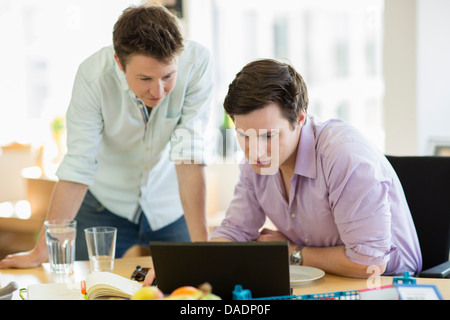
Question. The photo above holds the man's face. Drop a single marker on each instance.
(268, 139)
(151, 80)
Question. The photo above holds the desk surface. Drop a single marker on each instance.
(126, 266)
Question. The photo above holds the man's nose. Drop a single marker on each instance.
(156, 90)
(257, 147)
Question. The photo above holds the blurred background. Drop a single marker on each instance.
(380, 65)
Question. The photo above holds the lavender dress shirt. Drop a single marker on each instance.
(343, 192)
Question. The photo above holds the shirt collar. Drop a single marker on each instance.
(305, 164)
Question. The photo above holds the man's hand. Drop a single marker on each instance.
(30, 259)
(271, 235)
(149, 278)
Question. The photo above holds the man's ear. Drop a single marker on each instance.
(301, 118)
(118, 62)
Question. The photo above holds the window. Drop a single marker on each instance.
(335, 45)
(43, 42)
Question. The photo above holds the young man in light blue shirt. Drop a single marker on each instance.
(135, 155)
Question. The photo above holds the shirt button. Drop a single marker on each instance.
(146, 168)
(147, 149)
(306, 240)
(293, 215)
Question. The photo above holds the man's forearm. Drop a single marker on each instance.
(65, 202)
(334, 260)
(192, 187)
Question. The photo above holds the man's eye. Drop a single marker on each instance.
(272, 135)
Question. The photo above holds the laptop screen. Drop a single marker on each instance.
(261, 267)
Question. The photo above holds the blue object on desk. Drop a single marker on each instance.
(406, 279)
(245, 294)
(241, 294)
(406, 288)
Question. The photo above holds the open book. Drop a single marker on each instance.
(107, 284)
(99, 285)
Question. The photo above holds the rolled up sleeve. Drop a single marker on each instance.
(84, 127)
(359, 188)
(188, 141)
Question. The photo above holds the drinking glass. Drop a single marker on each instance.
(101, 244)
(60, 236)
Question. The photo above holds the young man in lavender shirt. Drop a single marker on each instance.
(328, 191)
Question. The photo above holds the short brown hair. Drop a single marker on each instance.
(266, 81)
(148, 29)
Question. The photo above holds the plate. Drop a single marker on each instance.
(300, 274)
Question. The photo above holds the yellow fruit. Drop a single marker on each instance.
(203, 292)
(186, 290)
(148, 293)
(206, 291)
(181, 297)
(210, 296)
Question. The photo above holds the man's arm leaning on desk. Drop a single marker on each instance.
(66, 200)
(334, 260)
(192, 188)
(329, 259)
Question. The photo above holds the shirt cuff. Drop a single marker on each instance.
(185, 148)
(366, 255)
(74, 170)
(227, 231)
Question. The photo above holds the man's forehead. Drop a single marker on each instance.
(145, 64)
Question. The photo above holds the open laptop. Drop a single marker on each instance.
(262, 267)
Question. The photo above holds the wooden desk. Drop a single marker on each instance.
(126, 266)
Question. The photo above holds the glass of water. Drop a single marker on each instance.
(101, 244)
(60, 236)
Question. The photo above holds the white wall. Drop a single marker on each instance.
(416, 69)
(433, 72)
(399, 64)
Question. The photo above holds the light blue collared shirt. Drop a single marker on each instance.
(125, 161)
(343, 192)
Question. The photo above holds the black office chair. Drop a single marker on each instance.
(426, 182)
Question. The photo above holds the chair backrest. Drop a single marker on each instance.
(426, 183)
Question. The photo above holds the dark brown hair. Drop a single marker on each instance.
(148, 29)
(266, 81)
